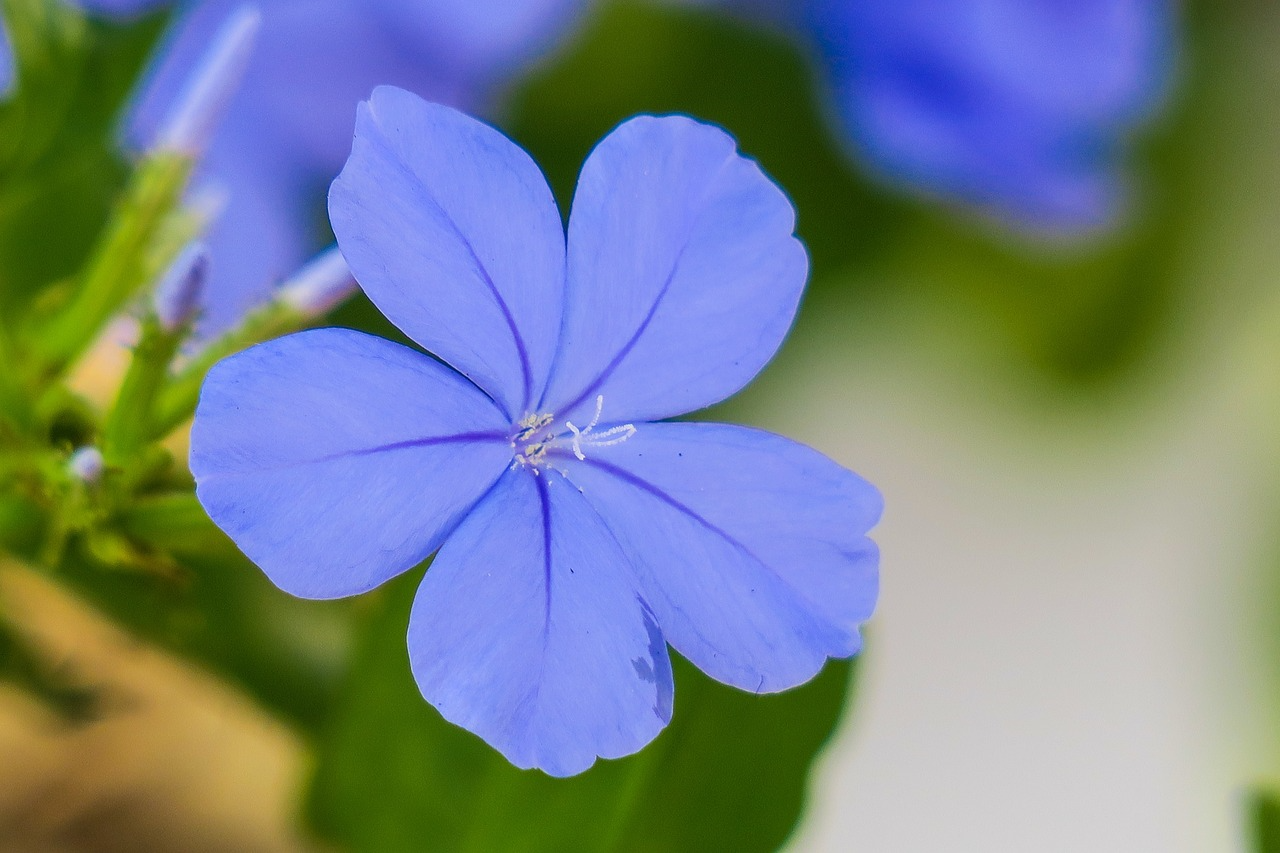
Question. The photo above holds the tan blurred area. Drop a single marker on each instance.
(172, 760)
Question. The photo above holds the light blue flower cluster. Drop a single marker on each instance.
(578, 535)
(1021, 108)
(6, 60)
(288, 130)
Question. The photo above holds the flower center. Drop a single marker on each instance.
(538, 434)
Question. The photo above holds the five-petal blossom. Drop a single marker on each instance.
(577, 535)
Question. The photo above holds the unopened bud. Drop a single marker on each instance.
(320, 286)
(177, 299)
(86, 465)
(199, 107)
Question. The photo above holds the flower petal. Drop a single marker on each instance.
(751, 548)
(529, 632)
(452, 231)
(336, 460)
(683, 277)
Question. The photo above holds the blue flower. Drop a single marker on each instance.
(288, 131)
(6, 61)
(1021, 108)
(577, 535)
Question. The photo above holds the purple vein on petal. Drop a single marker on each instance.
(429, 441)
(545, 499)
(603, 376)
(673, 502)
(526, 370)
(676, 504)
(609, 368)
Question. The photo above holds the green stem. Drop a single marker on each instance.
(15, 406)
(176, 403)
(120, 265)
(22, 523)
(128, 427)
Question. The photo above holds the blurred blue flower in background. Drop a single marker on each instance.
(6, 60)
(577, 537)
(288, 131)
(1016, 108)
(1021, 108)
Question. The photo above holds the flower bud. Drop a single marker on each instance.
(177, 299)
(195, 114)
(320, 286)
(86, 465)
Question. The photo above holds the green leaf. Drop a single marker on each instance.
(21, 523)
(50, 54)
(59, 167)
(1264, 821)
(729, 773)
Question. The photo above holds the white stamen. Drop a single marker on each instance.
(599, 408)
(577, 441)
(320, 286)
(536, 435)
(608, 438)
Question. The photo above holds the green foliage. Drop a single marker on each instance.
(1263, 814)
(82, 236)
(729, 773)
(60, 168)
